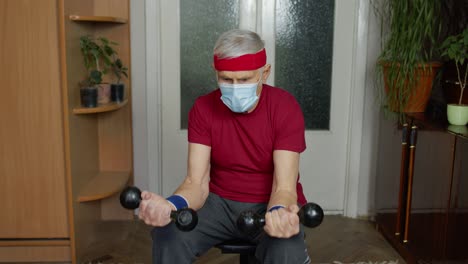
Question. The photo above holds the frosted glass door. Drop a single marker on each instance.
(304, 51)
(201, 22)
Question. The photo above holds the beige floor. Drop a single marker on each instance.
(338, 240)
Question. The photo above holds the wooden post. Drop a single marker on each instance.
(403, 178)
(412, 152)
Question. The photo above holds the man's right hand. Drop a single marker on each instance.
(155, 210)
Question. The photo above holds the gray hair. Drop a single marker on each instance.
(237, 42)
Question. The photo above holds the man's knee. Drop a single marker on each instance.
(164, 235)
(171, 245)
(280, 250)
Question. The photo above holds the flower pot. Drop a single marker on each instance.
(457, 114)
(104, 93)
(117, 92)
(462, 130)
(421, 91)
(89, 96)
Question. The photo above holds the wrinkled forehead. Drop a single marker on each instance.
(239, 74)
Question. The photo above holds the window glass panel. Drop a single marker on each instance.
(304, 49)
(201, 23)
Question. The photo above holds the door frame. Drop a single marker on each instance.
(357, 177)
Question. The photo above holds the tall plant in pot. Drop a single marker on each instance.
(455, 48)
(410, 30)
(93, 58)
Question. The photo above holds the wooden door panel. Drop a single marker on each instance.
(32, 180)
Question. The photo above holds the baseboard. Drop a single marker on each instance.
(45, 254)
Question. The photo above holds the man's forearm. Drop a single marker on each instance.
(195, 187)
(283, 191)
(282, 197)
(195, 193)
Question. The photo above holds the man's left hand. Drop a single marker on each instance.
(282, 223)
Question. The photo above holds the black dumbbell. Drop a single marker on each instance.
(185, 219)
(310, 215)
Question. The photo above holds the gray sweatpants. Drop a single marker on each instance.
(217, 223)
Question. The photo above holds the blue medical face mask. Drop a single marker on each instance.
(239, 97)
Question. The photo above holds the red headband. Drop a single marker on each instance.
(247, 62)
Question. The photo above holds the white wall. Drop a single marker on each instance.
(370, 130)
(138, 78)
(363, 134)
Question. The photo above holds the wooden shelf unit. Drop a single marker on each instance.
(67, 163)
(104, 19)
(100, 138)
(100, 108)
(104, 185)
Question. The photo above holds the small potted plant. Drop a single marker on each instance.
(118, 88)
(455, 48)
(115, 64)
(93, 56)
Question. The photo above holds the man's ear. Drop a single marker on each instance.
(266, 73)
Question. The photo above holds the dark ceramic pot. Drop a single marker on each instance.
(117, 92)
(89, 96)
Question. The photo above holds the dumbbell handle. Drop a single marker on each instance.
(310, 215)
(185, 219)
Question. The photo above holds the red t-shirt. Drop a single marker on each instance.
(242, 144)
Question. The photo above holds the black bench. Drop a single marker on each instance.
(245, 249)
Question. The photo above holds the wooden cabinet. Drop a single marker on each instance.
(61, 166)
(421, 175)
(457, 228)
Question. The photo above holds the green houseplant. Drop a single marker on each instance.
(97, 63)
(410, 31)
(91, 53)
(118, 69)
(117, 87)
(455, 48)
